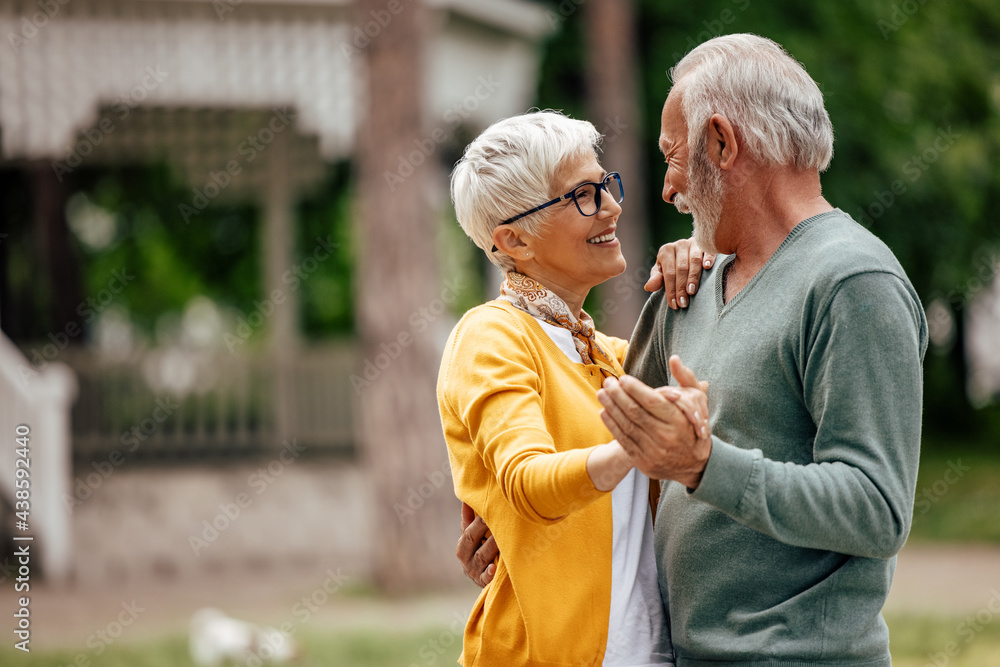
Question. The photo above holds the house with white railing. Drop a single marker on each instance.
(34, 421)
(119, 82)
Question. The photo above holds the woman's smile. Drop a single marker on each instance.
(605, 239)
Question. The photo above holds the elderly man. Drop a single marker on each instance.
(776, 540)
(776, 536)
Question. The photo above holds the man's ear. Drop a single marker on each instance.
(722, 146)
(508, 240)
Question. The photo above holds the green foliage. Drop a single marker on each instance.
(891, 93)
(327, 300)
(913, 90)
(216, 254)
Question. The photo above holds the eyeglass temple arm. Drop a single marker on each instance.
(534, 210)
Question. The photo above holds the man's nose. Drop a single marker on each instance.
(668, 191)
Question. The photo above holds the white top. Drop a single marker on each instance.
(638, 635)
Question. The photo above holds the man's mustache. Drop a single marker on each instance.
(682, 204)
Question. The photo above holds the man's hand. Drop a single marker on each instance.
(690, 397)
(474, 552)
(678, 267)
(653, 430)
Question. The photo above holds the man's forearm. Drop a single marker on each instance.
(834, 506)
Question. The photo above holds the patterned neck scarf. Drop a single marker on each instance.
(533, 298)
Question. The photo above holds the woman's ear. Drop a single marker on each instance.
(509, 241)
(722, 145)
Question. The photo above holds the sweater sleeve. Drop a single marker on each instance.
(492, 385)
(861, 383)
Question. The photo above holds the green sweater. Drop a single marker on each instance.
(785, 552)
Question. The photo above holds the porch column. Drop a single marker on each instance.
(279, 257)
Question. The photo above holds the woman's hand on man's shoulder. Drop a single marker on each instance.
(678, 268)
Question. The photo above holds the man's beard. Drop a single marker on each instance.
(703, 200)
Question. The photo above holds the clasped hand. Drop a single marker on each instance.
(664, 431)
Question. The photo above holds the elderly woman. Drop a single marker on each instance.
(576, 582)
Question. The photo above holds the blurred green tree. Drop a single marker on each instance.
(913, 89)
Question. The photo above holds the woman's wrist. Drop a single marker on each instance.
(607, 465)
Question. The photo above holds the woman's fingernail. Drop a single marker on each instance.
(673, 304)
(697, 416)
(691, 288)
(684, 302)
(703, 431)
(708, 263)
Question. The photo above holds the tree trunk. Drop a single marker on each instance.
(614, 108)
(417, 516)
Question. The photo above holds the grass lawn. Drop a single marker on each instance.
(915, 640)
(320, 649)
(958, 500)
(923, 641)
(958, 496)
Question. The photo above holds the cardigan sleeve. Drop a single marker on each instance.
(490, 383)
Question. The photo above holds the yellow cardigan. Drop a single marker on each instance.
(520, 419)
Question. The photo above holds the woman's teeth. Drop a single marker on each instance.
(602, 239)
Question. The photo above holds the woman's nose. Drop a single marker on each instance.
(609, 206)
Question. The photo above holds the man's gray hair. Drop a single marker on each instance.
(767, 95)
(510, 169)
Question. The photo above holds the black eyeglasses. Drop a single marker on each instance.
(586, 196)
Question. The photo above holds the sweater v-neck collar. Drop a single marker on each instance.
(723, 306)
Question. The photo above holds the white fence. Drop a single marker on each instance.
(177, 406)
(39, 403)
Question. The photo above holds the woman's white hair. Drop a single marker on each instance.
(510, 168)
(767, 95)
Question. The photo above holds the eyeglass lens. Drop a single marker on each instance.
(588, 196)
